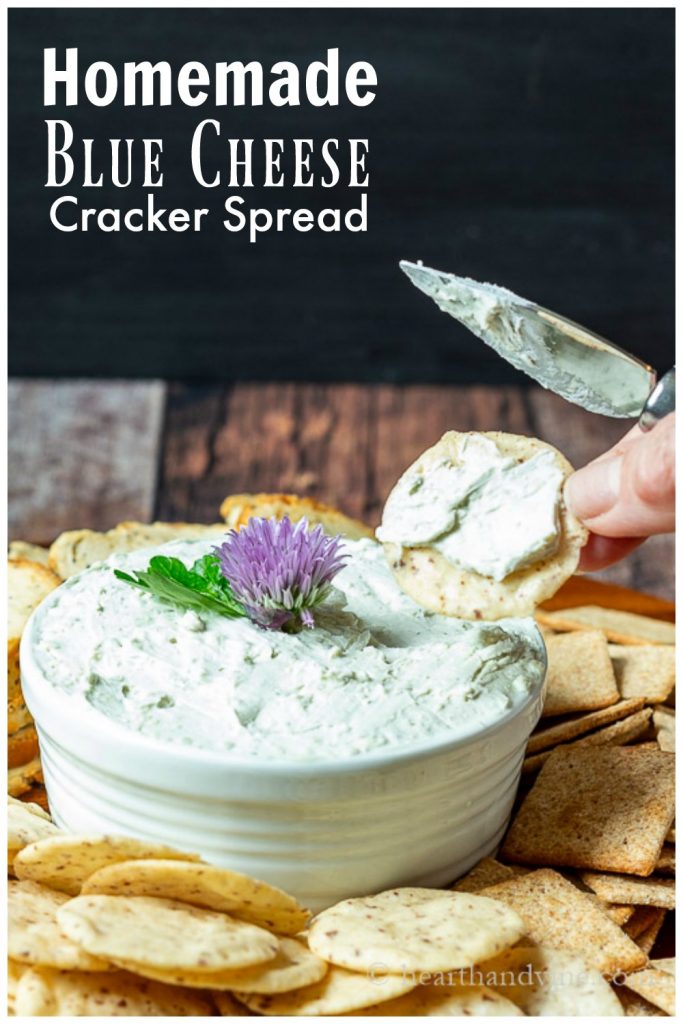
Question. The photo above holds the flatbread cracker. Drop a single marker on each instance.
(600, 808)
(45, 993)
(413, 929)
(24, 549)
(619, 627)
(34, 936)
(238, 509)
(27, 823)
(658, 987)
(163, 933)
(438, 585)
(558, 915)
(339, 992)
(203, 885)
(294, 966)
(642, 892)
(549, 736)
(580, 674)
(437, 1000)
(644, 671)
(64, 862)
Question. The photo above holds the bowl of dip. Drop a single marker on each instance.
(382, 748)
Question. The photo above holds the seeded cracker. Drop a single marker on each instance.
(602, 808)
(643, 892)
(431, 580)
(203, 885)
(619, 627)
(413, 929)
(339, 992)
(34, 935)
(26, 823)
(164, 933)
(580, 674)
(552, 735)
(64, 862)
(45, 993)
(294, 966)
(558, 915)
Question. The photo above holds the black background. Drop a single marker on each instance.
(531, 147)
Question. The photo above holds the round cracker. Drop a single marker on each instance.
(414, 929)
(228, 1005)
(45, 993)
(438, 585)
(27, 823)
(446, 1001)
(164, 933)
(64, 862)
(203, 885)
(339, 991)
(545, 982)
(35, 937)
(294, 966)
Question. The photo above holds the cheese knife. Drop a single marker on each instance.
(559, 354)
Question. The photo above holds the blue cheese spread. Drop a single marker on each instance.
(489, 513)
(377, 672)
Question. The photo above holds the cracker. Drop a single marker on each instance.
(339, 992)
(413, 929)
(558, 915)
(619, 627)
(27, 823)
(642, 892)
(64, 862)
(203, 885)
(641, 920)
(602, 808)
(293, 966)
(238, 509)
(647, 671)
(19, 549)
(227, 1005)
(45, 993)
(649, 935)
(34, 936)
(667, 964)
(22, 778)
(438, 585)
(616, 735)
(634, 1005)
(18, 715)
(22, 746)
(14, 973)
(438, 1000)
(76, 550)
(619, 914)
(664, 721)
(487, 872)
(164, 933)
(580, 674)
(569, 729)
(545, 982)
(27, 584)
(658, 987)
(667, 860)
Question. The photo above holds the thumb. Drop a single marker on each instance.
(629, 492)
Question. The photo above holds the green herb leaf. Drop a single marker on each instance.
(203, 587)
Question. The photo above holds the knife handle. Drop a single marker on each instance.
(661, 402)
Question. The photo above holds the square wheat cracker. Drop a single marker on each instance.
(559, 915)
(619, 627)
(618, 734)
(580, 674)
(577, 725)
(642, 892)
(600, 808)
(648, 672)
(658, 987)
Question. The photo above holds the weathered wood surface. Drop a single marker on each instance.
(89, 454)
(81, 453)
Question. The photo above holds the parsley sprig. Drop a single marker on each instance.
(201, 587)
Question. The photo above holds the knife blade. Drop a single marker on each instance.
(559, 354)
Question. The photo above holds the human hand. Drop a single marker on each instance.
(626, 495)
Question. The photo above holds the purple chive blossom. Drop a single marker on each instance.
(280, 571)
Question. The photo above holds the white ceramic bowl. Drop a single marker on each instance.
(322, 831)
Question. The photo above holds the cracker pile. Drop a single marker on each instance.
(113, 926)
